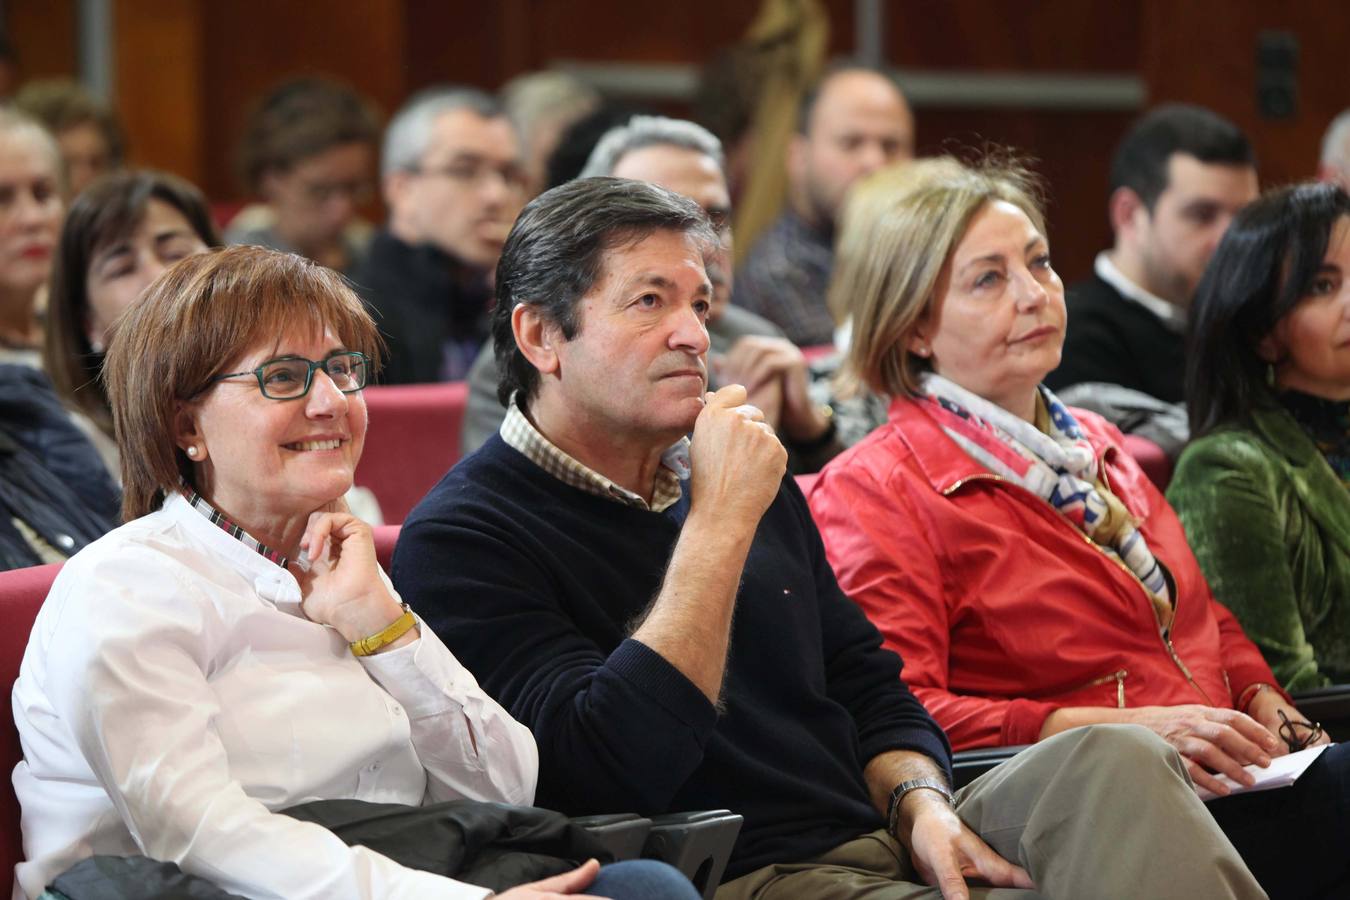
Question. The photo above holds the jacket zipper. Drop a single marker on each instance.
(1165, 637)
(1118, 677)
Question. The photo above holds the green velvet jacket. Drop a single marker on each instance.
(1270, 523)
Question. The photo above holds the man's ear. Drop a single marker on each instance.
(1124, 208)
(536, 337)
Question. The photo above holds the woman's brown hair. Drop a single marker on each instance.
(193, 322)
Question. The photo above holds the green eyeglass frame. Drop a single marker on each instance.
(278, 378)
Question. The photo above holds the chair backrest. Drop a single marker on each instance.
(21, 594)
(413, 440)
(385, 538)
(1151, 459)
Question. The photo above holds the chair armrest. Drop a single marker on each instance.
(967, 765)
(622, 834)
(697, 843)
(1330, 706)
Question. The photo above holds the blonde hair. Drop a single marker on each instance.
(191, 323)
(898, 231)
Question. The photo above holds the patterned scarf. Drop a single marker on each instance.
(1057, 464)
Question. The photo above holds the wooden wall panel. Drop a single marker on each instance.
(487, 44)
(254, 44)
(1204, 51)
(1071, 151)
(993, 35)
(43, 34)
(461, 43)
(158, 80)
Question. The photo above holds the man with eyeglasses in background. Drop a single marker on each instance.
(453, 183)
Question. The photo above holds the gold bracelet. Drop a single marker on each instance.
(401, 626)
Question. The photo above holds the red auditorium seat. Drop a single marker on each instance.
(21, 594)
(1151, 459)
(412, 441)
(385, 538)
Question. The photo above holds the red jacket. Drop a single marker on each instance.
(1002, 610)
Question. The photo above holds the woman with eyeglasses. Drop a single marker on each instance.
(234, 649)
(1261, 489)
(308, 153)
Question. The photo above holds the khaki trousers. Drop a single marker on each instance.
(1095, 813)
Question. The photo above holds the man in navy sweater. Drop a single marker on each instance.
(588, 563)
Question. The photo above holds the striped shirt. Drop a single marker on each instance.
(223, 522)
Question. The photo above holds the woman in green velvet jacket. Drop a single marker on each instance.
(1262, 488)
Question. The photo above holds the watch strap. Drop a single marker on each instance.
(914, 784)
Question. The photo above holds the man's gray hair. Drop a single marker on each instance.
(651, 131)
(409, 132)
(1335, 152)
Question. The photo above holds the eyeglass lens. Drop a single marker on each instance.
(285, 378)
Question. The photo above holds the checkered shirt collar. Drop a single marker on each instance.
(519, 433)
(223, 522)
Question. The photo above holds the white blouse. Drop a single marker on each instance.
(173, 695)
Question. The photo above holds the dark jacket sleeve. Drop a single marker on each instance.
(862, 675)
(618, 731)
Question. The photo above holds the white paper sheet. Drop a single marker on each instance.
(1282, 772)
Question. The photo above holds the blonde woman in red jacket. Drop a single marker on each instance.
(1021, 564)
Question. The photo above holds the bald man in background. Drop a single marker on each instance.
(853, 122)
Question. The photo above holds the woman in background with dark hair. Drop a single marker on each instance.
(1261, 490)
(118, 237)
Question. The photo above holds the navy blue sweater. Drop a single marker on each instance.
(535, 585)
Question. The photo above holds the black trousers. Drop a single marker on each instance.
(1296, 840)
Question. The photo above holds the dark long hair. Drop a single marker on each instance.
(1262, 269)
(107, 211)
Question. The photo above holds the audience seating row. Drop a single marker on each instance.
(414, 441)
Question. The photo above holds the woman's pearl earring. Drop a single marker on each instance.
(192, 452)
